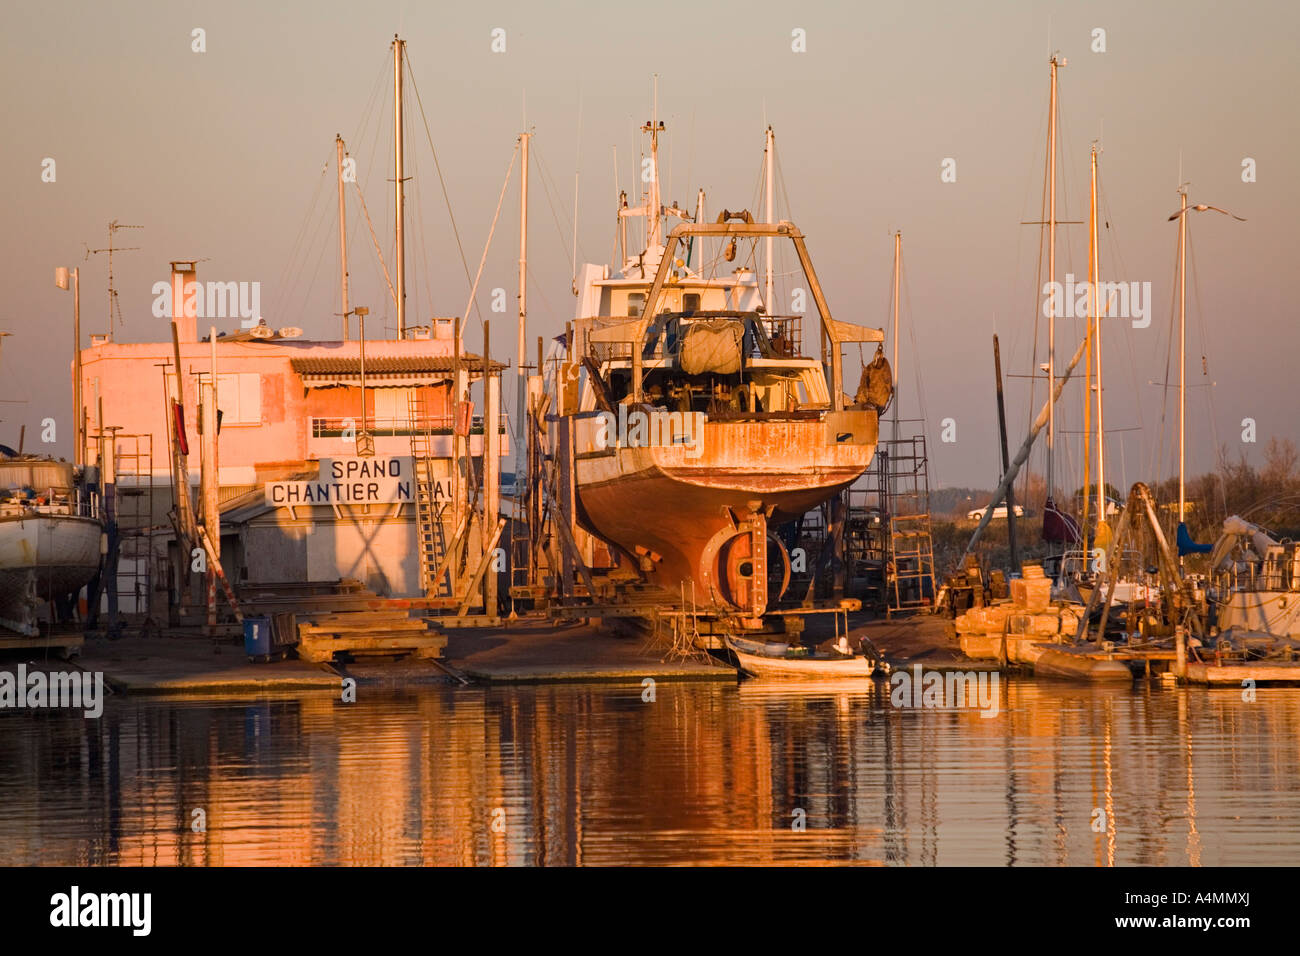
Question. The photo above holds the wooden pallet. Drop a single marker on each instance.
(366, 633)
(66, 644)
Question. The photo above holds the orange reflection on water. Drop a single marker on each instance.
(704, 774)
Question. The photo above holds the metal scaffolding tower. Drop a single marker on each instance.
(889, 548)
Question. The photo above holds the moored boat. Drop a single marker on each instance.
(782, 661)
(49, 538)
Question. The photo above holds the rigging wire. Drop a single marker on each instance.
(443, 183)
(288, 275)
(473, 291)
(1160, 453)
(392, 293)
(551, 191)
(1219, 451)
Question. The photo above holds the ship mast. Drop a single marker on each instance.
(399, 187)
(1092, 344)
(1098, 307)
(343, 238)
(1056, 61)
(1181, 216)
(522, 379)
(769, 150)
(898, 271)
(1182, 352)
(653, 207)
(698, 241)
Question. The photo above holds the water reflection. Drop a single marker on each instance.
(704, 774)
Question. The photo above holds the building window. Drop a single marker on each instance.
(635, 303)
(392, 407)
(239, 396)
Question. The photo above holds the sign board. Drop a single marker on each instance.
(356, 481)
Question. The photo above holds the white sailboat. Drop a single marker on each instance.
(49, 537)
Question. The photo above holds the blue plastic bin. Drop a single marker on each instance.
(257, 636)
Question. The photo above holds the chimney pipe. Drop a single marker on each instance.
(185, 293)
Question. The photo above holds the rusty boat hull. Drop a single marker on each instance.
(701, 516)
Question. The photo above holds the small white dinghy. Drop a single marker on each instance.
(778, 660)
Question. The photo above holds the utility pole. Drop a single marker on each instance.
(365, 443)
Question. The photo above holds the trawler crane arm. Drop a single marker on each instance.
(833, 333)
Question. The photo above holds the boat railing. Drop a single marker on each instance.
(767, 336)
(784, 334)
(1279, 572)
(1077, 562)
(76, 501)
(336, 427)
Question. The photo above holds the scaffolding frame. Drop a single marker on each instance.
(133, 471)
(889, 543)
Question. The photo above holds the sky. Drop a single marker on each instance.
(224, 155)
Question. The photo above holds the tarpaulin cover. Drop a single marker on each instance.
(712, 346)
(1059, 526)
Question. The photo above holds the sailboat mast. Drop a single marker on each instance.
(1051, 269)
(768, 151)
(522, 380)
(1098, 310)
(343, 238)
(898, 271)
(1087, 390)
(399, 186)
(1182, 351)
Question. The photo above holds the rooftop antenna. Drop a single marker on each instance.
(113, 304)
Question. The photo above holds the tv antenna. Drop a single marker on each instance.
(113, 304)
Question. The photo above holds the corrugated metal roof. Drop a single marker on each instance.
(388, 365)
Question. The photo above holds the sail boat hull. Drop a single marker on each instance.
(43, 556)
(676, 510)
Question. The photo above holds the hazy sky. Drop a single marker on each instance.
(219, 155)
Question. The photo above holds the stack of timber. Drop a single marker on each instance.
(343, 617)
(367, 633)
(1014, 630)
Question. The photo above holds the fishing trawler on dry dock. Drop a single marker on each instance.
(696, 421)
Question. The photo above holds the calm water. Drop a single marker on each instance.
(704, 774)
